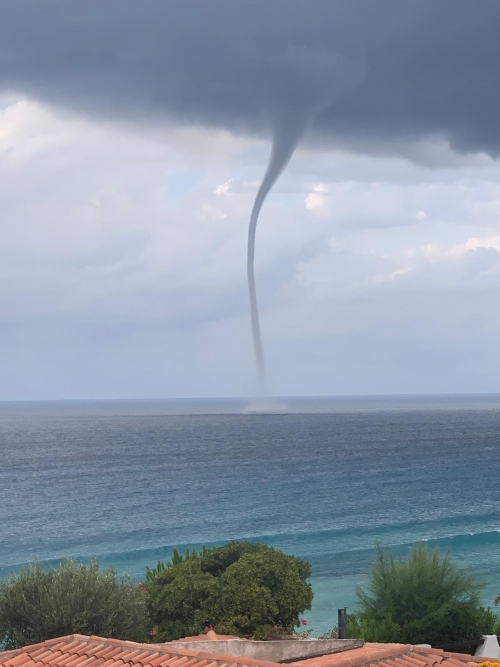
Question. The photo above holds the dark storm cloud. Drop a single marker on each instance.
(361, 72)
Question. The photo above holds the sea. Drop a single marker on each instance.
(325, 479)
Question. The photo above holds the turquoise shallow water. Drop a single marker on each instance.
(325, 479)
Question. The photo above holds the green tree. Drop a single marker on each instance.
(38, 604)
(241, 588)
(424, 598)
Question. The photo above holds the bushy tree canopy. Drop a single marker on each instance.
(424, 598)
(38, 604)
(241, 588)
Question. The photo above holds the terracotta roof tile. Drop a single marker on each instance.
(61, 660)
(415, 660)
(75, 660)
(18, 660)
(91, 660)
(156, 660)
(419, 659)
(193, 662)
(39, 650)
(401, 661)
(168, 660)
(112, 662)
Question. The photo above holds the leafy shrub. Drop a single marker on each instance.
(38, 604)
(424, 598)
(241, 588)
(331, 634)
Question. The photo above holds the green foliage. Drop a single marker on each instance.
(496, 629)
(380, 629)
(38, 604)
(424, 598)
(331, 634)
(241, 588)
(176, 560)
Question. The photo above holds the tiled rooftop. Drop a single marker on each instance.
(392, 655)
(82, 651)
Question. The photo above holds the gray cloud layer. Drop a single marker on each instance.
(369, 71)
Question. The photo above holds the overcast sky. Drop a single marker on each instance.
(133, 138)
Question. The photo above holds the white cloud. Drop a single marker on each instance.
(475, 243)
(314, 201)
(223, 188)
(439, 252)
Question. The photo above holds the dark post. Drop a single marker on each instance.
(343, 623)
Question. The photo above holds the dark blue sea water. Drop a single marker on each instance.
(126, 481)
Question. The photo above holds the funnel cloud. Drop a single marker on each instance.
(285, 141)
